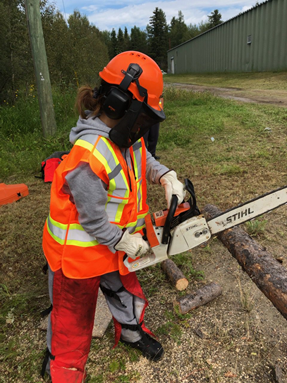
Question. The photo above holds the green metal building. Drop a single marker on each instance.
(253, 41)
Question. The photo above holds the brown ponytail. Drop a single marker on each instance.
(86, 101)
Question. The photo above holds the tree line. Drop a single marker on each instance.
(77, 50)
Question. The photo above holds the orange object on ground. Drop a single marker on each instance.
(11, 193)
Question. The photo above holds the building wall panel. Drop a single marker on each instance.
(225, 48)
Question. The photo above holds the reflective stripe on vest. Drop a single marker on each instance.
(137, 152)
(77, 236)
(118, 193)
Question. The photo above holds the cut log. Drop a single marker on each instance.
(174, 274)
(202, 296)
(266, 272)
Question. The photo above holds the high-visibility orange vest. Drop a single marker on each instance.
(66, 244)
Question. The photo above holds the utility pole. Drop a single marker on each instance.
(41, 67)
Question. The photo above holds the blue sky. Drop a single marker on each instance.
(116, 14)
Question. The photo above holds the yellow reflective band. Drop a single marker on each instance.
(73, 242)
(142, 216)
(61, 229)
(61, 226)
(139, 195)
(113, 185)
(116, 161)
(102, 159)
(136, 167)
(138, 228)
(132, 224)
(84, 144)
(76, 226)
(57, 239)
(124, 202)
(139, 184)
(107, 142)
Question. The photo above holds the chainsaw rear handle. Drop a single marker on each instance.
(167, 225)
(192, 200)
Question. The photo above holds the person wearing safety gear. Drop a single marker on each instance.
(97, 210)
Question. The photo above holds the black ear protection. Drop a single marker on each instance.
(118, 99)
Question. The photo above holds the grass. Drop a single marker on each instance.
(242, 161)
(256, 227)
(260, 80)
(22, 145)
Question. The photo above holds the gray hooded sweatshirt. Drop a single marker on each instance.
(89, 193)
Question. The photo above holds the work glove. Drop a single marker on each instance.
(132, 244)
(172, 186)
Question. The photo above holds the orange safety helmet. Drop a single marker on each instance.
(151, 77)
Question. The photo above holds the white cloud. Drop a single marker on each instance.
(135, 12)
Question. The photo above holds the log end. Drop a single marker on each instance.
(181, 284)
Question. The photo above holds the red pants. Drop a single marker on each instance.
(72, 321)
(72, 318)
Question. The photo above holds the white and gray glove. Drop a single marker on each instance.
(132, 244)
(172, 186)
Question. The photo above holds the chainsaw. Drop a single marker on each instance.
(181, 228)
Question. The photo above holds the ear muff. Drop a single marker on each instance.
(116, 103)
(118, 99)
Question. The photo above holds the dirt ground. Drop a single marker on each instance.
(238, 337)
(259, 96)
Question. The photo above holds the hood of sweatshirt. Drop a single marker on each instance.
(91, 125)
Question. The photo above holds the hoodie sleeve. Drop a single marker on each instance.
(88, 192)
(154, 169)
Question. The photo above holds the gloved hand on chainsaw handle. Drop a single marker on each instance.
(172, 186)
(132, 244)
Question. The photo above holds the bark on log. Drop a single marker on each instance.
(264, 270)
(200, 297)
(175, 275)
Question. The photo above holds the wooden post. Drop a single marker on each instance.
(41, 67)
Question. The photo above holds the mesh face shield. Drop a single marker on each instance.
(136, 116)
(138, 119)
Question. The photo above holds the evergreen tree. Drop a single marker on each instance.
(16, 66)
(193, 30)
(138, 40)
(178, 31)
(114, 44)
(157, 30)
(126, 40)
(120, 41)
(203, 27)
(214, 19)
